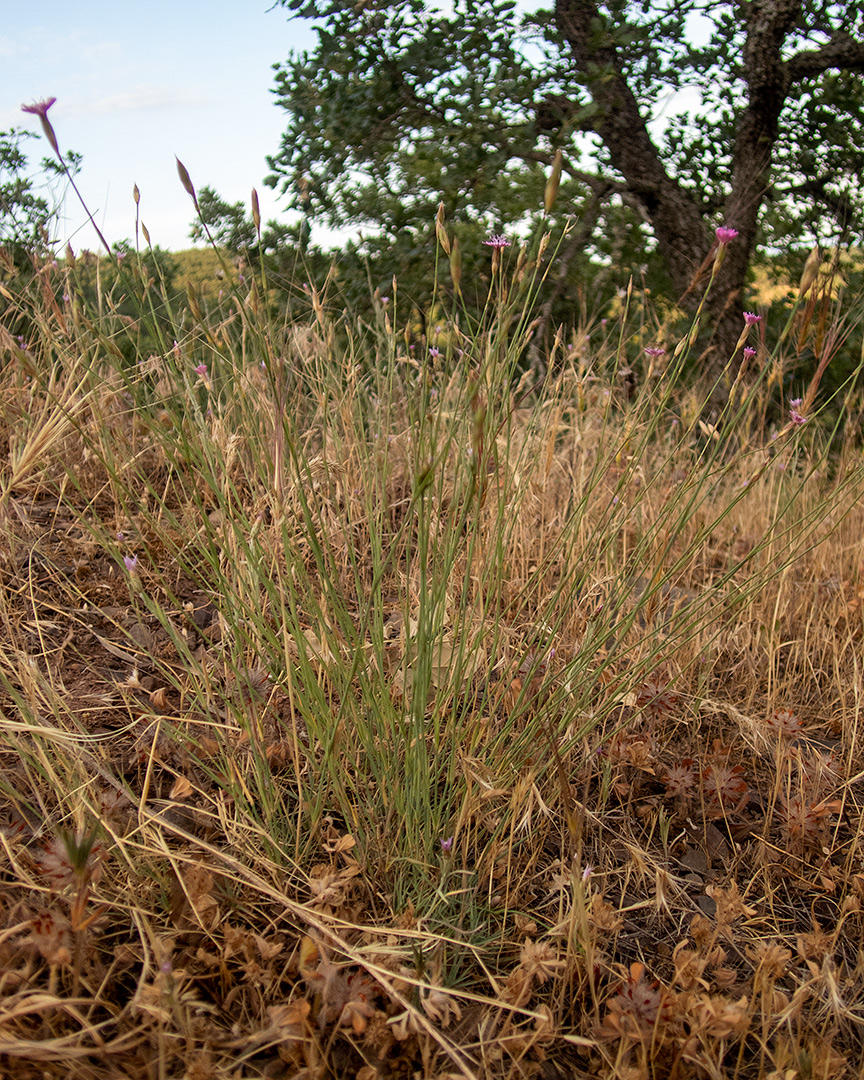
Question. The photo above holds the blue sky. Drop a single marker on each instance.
(138, 83)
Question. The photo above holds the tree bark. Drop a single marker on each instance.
(768, 24)
(682, 232)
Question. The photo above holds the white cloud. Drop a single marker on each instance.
(144, 98)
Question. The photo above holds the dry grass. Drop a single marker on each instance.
(372, 713)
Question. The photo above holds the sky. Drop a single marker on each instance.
(138, 83)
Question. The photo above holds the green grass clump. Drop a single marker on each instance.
(374, 705)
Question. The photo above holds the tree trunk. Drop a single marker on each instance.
(683, 235)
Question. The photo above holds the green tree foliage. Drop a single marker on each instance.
(404, 104)
(26, 215)
(228, 225)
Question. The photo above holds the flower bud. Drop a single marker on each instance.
(554, 182)
(186, 181)
(810, 271)
(256, 212)
(440, 230)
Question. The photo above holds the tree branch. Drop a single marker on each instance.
(842, 51)
(677, 219)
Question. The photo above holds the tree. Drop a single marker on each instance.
(229, 225)
(26, 217)
(404, 104)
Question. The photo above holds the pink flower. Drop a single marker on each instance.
(750, 319)
(40, 109)
(131, 563)
(497, 241)
(725, 234)
(655, 350)
(749, 353)
(201, 370)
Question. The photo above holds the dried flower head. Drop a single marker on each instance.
(49, 934)
(539, 960)
(655, 699)
(347, 997)
(725, 788)
(784, 722)
(250, 685)
(68, 859)
(638, 1005)
(440, 1006)
(806, 823)
(681, 780)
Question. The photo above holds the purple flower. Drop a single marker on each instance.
(201, 370)
(724, 234)
(447, 845)
(434, 352)
(750, 319)
(39, 108)
(497, 241)
(749, 353)
(131, 563)
(655, 350)
(795, 416)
